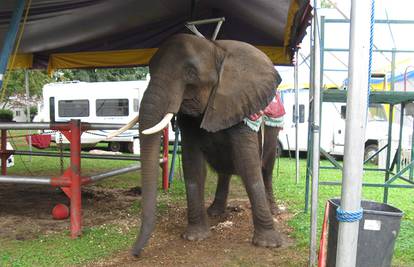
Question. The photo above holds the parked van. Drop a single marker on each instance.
(94, 102)
(333, 126)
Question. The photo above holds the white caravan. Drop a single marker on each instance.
(333, 126)
(94, 102)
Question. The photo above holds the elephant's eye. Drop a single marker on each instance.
(190, 75)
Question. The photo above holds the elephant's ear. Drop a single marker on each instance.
(247, 83)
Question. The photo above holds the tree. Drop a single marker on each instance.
(38, 78)
(103, 75)
(16, 82)
(327, 4)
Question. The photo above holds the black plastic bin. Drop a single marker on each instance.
(378, 231)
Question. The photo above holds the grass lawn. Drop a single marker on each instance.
(293, 195)
(105, 240)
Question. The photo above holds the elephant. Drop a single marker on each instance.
(210, 86)
(268, 156)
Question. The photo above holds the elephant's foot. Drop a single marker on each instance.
(196, 232)
(267, 238)
(216, 209)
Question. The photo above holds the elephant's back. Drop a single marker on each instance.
(245, 50)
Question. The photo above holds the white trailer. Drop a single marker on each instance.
(333, 126)
(94, 102)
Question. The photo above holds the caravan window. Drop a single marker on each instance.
(112, 107)
(73, 108)
(343, 112)
(376, 112)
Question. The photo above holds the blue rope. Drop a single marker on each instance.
(348, 216)
(371, 44)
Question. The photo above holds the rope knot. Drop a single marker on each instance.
(348, 216)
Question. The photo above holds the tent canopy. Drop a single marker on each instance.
(108, 33)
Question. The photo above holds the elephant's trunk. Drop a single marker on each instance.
(151, 112)
(150, 155)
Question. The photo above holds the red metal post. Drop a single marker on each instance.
(323, 244)
(4, 154)
(75, 188)
(165, 182)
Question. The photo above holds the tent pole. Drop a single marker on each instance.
(316, 88)
(26, 83)
(354, 131)
(10, 38)
(310, 120)
(296, 85)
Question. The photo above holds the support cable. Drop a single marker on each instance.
(13, 59)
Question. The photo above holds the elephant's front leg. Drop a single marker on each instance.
(248, 166)
(194, 167)
(219, 204)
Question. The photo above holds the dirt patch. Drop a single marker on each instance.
(229, 244)
(25, 213)
(26, 210)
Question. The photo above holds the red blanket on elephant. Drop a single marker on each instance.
(274, 110)
(272, 115)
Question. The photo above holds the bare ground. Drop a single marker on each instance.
(26, 210)
(25, 213)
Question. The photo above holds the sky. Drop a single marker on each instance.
(386, 36)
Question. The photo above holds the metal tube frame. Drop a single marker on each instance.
(67, 155)
(296, 115)
(71, 181)
(58, 126)
(387, 171)
(165, 160)
(75, 177)
(348, 251)
(191, 25)
(388, 160)
(316, 88)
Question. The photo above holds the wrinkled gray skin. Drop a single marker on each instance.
(218, 207)
(211, 86)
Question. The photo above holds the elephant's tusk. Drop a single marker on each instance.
(161, 125)
(124, 128)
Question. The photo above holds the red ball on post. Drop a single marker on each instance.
(60, 212)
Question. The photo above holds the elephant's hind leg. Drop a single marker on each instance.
(268, 162)
(218, 207)
(248, 166)
(195, 172)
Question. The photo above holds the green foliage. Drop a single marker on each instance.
(102, 75)
(6, 115)
(16, 82)
(327, 4)
(38, 78)
(33, 112)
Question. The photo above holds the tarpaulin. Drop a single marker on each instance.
(103, 33)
